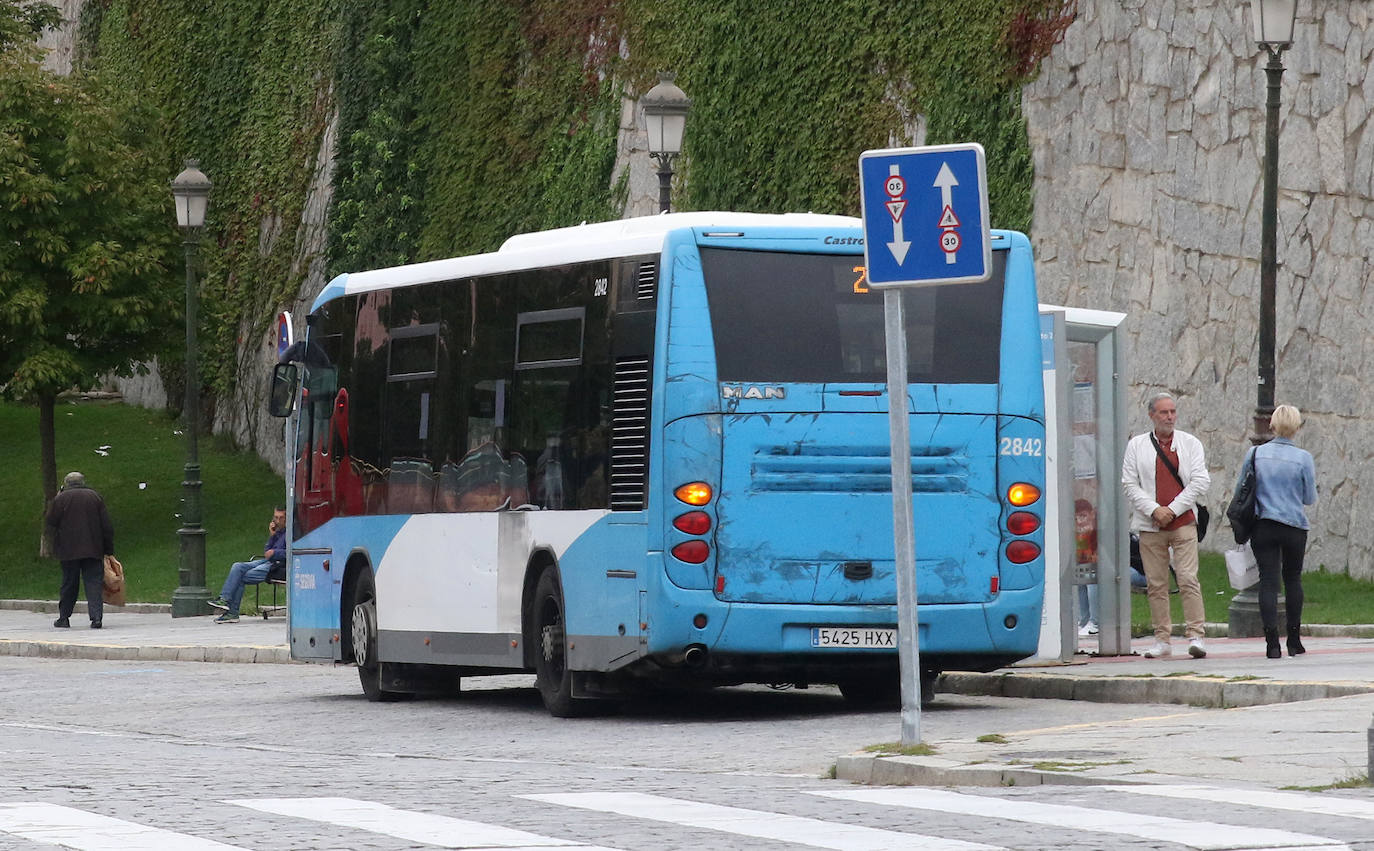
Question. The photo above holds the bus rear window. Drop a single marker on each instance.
(780, 316)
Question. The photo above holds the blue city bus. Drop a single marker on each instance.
(656, 451)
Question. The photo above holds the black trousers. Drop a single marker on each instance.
(73, 571)
(1278, 552)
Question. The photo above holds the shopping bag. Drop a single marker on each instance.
(114, 582)
(1241, 568)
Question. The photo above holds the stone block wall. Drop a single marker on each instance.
(1147, 128)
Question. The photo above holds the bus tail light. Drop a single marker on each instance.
(1022, 523)
(694, 493)
(692, 552)
(693, 523)
(1020, 552)
(1022, 494)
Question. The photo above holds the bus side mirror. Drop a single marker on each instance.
(282, 398)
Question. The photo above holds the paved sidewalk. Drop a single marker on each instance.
(1235, 717)
(144, 632)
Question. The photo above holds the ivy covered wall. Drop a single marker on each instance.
(464, 121)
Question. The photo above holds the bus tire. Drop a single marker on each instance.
(363, 634)
(872, 692)
(885, 692)
(551, 674)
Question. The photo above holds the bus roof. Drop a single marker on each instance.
(601, 240)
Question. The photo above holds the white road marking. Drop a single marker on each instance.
(756, 823)
(1295, 801)
(410, 825)
(1202, 835)
(68, 827)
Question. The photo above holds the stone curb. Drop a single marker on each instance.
(893, 770)
(1214, 692)
(50, 606)
(147, 652)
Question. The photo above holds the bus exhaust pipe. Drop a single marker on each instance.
(695, 656)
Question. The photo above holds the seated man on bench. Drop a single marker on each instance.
(245, 573)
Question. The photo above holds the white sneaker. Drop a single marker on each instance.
(1084, 631)
(1092, 627)
(1195, 648)
(1159, 650)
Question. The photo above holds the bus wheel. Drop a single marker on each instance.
(551, 675)
(364, 638)
(872, 692)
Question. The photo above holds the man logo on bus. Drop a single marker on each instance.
(736, 391)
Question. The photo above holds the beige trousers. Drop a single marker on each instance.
(1154, 554)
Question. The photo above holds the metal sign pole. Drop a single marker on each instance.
(903, 527)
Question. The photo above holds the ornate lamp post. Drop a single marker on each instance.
(1273, 21)
(665, 115)
(191, 190)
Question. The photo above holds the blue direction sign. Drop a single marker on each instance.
(925, 214)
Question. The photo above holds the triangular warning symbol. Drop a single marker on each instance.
(948, 219)
(896, 208)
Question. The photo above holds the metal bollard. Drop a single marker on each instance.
(1370, 775)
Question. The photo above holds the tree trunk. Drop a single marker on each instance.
(47, 463)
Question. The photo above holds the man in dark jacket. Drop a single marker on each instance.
(82, 536)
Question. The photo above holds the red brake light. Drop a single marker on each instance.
(694, 493)
(693, 523)
(1020, 552)
(1022, 523)
(1022, 494)
(692, 552)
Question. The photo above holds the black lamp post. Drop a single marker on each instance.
(191, 190)
(665, 115)
(1274, 21)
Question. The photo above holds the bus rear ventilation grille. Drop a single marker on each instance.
(630, 434)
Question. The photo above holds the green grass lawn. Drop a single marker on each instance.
(140, 479)
(1327, 597)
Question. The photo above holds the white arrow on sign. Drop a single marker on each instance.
(897, 246)
(947, 181)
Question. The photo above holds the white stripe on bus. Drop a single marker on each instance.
(756, 823)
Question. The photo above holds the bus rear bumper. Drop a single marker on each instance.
(973, 636)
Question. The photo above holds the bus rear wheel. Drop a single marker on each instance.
(885, 692)
(363, 635)
(551, 674)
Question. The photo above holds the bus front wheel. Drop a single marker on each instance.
(551, 674)
(363, 633)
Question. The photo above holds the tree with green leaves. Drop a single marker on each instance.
(87, 245)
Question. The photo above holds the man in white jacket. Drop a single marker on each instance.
(1162, 512)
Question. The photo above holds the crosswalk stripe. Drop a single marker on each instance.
(1295, 801)
(1205, 836)
(757, 823)
(53, 824)
(409, 824)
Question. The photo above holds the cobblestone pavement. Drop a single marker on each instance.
(116, 755)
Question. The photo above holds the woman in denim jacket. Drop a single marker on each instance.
(1287, 482)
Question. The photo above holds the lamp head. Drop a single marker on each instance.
(1273, 20)
(665, 116)
(191, 189)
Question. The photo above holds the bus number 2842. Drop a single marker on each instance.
(1023, 446)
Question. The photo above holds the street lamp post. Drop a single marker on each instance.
(191, 190)
(1273, 21)
(665, 116)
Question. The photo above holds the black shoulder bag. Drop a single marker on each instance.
(1244, 508)
(1203, 516)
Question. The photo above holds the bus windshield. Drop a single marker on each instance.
(781, 316)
